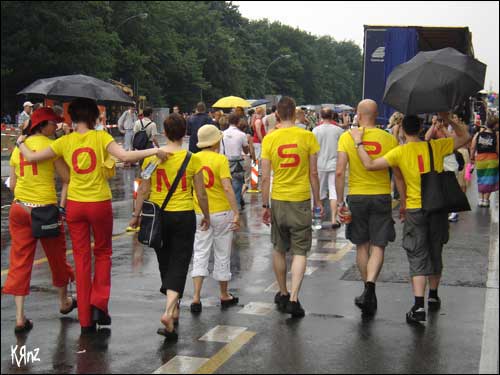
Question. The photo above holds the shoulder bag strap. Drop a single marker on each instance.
(431, 156)
(142, 125)
(177, 179)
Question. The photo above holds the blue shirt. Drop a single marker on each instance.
(194, 123)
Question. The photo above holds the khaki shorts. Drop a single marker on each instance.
(423, 239)
(291, 226)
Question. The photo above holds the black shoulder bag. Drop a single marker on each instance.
(441, 191)
(46, 221)
(150, 232)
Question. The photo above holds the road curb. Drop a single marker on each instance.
(488, 363)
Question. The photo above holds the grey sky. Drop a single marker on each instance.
(344, 20)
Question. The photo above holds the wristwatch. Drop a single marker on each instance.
(18, 144)
(133, 215)
(266, 206)
(359, 144)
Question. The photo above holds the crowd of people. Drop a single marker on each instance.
(303, 161)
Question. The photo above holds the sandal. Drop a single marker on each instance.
(196, 308)
(27, 326)
(169, 336)
(73, 306)
(336, 225)
(229, 302)
(176, 320)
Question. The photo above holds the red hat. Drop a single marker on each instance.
(44, 114)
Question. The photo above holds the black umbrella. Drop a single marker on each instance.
(259, 102)
(434, 81)
(66, 88)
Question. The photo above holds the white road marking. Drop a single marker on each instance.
(181, 364)
(488, 363)
(223, 334)
(257, 308)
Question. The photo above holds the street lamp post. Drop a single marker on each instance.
(140, 15)
(272, 62)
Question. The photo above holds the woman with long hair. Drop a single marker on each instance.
(89, 205)
(34, 187)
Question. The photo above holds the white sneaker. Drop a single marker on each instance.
(453, 217)
(481, 203)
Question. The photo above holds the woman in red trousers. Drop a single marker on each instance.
(89, 205)
(34, 186)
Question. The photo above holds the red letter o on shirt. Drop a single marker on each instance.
(211, 177)
(93, 160)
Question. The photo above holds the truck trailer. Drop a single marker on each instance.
(385, 47)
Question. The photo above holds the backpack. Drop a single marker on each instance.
(141, 138)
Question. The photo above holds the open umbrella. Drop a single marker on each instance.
(231, 102)
(258, 102)
(343, 108)
(66, 88)
(434, 81)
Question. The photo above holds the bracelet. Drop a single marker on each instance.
(266, 206)
(133, 215)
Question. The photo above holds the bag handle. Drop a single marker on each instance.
(431, 155)
(177, 180)
(145, 127)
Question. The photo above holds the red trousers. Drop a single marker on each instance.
(22, 254)
(81, 217)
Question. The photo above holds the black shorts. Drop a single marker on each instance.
(371, 220)
(423, 240)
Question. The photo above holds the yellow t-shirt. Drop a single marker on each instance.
(377, 143)
(413, 160)
(289, 149)
(215, 167)
(164, 175)
(35, 181)
(84, 154)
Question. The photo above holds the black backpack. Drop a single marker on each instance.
(141, 138)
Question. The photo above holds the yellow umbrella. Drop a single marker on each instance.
(231, 102)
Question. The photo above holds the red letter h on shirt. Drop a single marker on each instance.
(23, 163)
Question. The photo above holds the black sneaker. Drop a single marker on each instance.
(415, 316)
(434, 304)
(360, 300)
(196, 308)
(295, 309)
(100, 317)
(281, 301)
(369, 305)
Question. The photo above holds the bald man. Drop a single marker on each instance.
(369, 200)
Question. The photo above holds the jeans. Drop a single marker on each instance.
(127, 142)
(238, 181)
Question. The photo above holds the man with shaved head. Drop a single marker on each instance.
(369, 199)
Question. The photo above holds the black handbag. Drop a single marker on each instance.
(45, 221)
(150, 232)
(441, 191)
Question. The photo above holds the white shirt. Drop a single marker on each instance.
(149, 127)
(328, 138)
(233, 142)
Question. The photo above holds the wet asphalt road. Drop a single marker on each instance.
(332, 338)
